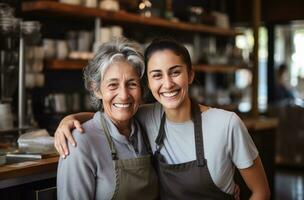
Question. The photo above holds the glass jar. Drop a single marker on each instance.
(31, 31)
(6, 10)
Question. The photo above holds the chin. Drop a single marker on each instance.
(171, 105)
(124, 117)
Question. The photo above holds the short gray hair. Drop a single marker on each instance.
(117, 50)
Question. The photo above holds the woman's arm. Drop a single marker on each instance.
(245, 157)
(63, 131)
(255, 179)
(76, 178)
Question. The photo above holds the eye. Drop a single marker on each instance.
(112, 86)
(156, 75)
(175, 73)
(133, 84)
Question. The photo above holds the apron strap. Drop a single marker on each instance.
(161, 134)
(108, 136)
(145, 137)
(198, 133)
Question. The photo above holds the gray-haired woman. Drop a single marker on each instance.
(113, 159)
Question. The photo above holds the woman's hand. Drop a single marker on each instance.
(63, 132)
(237, 192)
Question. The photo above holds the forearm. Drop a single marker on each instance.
(81, 117)
(260, 195)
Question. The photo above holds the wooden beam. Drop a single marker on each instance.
(256, 19)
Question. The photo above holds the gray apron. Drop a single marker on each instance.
(190, 180)
(135, 177)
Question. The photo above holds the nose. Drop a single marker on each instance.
(168, 82)
(124, 93)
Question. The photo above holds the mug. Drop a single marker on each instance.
(6, 117)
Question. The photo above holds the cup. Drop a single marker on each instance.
(105, 34)
(90, 3)
(112, 5)
(6, 117)
(62, 49)
(85, 39)
(74, 2)
(49, 47)
(116, 31)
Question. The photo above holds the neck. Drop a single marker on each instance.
(124, 128)
(180, 114)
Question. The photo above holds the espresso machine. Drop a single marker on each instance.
(16, 36)
(9, 63)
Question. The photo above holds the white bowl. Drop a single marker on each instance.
(2, 159)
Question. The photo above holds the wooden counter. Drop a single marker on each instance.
(260, 123)
(29, 171)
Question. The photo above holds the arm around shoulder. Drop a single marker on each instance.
(63, 132)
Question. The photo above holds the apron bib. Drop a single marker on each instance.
(136, 177)
(190, 180)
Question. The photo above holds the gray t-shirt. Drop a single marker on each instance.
(227, 142)
(88, 172)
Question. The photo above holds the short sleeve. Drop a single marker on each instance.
(241, 146)
(75, 175)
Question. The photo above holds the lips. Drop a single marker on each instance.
(170, 93)
(122, 105)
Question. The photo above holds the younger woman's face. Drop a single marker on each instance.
(168, 78)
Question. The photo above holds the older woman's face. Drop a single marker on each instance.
(120, 92)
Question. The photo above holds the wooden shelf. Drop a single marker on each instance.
(230, 107)
(52, 8)
(219, 68)
(55, 64)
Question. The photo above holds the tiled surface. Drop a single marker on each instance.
(289, 185)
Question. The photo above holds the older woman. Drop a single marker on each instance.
(113, 159)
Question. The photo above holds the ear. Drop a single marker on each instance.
(191, 76)
(98, 94)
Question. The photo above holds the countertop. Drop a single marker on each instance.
(258, 124)
(28, 171)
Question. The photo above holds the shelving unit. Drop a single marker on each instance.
(219, 68)
(48, 8)
(55, 64)
(57, 10)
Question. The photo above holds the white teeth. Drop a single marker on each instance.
(170, 94)
(122, 105)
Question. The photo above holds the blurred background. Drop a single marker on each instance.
(248, 57)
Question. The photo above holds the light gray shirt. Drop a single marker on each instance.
(88, 172)
(227, 142)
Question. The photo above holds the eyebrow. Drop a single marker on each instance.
(116, 79)
(171, 68)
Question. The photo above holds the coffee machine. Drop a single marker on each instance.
(16, 38)
(9, 63)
